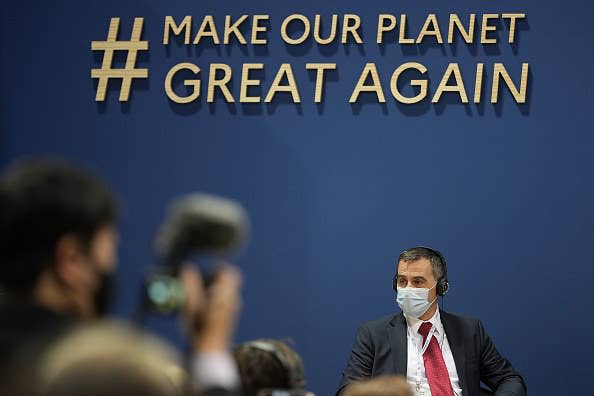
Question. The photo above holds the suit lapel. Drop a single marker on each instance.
(456, 342)
(396, 330)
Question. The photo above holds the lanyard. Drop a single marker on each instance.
(427, 341)
(421, 351)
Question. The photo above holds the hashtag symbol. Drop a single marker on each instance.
(129, 71)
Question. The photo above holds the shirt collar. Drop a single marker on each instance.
(435, 320)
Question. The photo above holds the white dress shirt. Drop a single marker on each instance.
(415, 371)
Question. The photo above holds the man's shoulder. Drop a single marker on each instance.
(457, 317)
(383, 320)
(381, 323)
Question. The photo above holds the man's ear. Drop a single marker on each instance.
(68, 259)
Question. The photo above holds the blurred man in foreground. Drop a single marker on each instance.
(58, 256)
(57, 227)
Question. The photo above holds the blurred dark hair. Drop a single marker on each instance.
(268, 364)
(41, 200)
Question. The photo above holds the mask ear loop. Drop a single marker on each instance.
(436, 296)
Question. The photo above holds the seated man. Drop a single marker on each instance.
(441, 354)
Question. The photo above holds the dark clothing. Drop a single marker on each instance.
(25, 331)
(24, 325)
(381, 348)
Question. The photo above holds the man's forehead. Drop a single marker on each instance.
(421, 265)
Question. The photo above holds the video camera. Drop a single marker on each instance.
(197, 223)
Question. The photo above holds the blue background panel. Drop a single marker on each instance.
(335, 190)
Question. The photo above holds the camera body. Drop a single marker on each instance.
(195, 224)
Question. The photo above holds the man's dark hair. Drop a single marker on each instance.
(416, 253)
(268, 364)
(40, 201)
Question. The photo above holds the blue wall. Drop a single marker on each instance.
(336, 191)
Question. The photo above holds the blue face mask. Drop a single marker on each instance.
(414, 301)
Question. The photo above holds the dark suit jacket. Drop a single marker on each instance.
(380, 348)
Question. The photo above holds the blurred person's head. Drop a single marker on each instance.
(58, 236)
(267, 364)
(389, 385)
(110, 359)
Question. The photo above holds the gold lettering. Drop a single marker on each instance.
(233, 28)
(512, 25)
(368, 70)
(431, 21)
(444, 87)
(488, 28)
(207, 29)
(402, 39)
(185, 26)
(246, 82)
(291, 87)
(213, 82)
(478, 83)
(256, 28)
(285, 24)
(381, 28)
(455, 22)
(188, 83)
(500, 71)
(352, 29)
(318, 28)
(320, 68)
(419, 83)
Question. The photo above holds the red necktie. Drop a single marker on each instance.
(435, 367)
